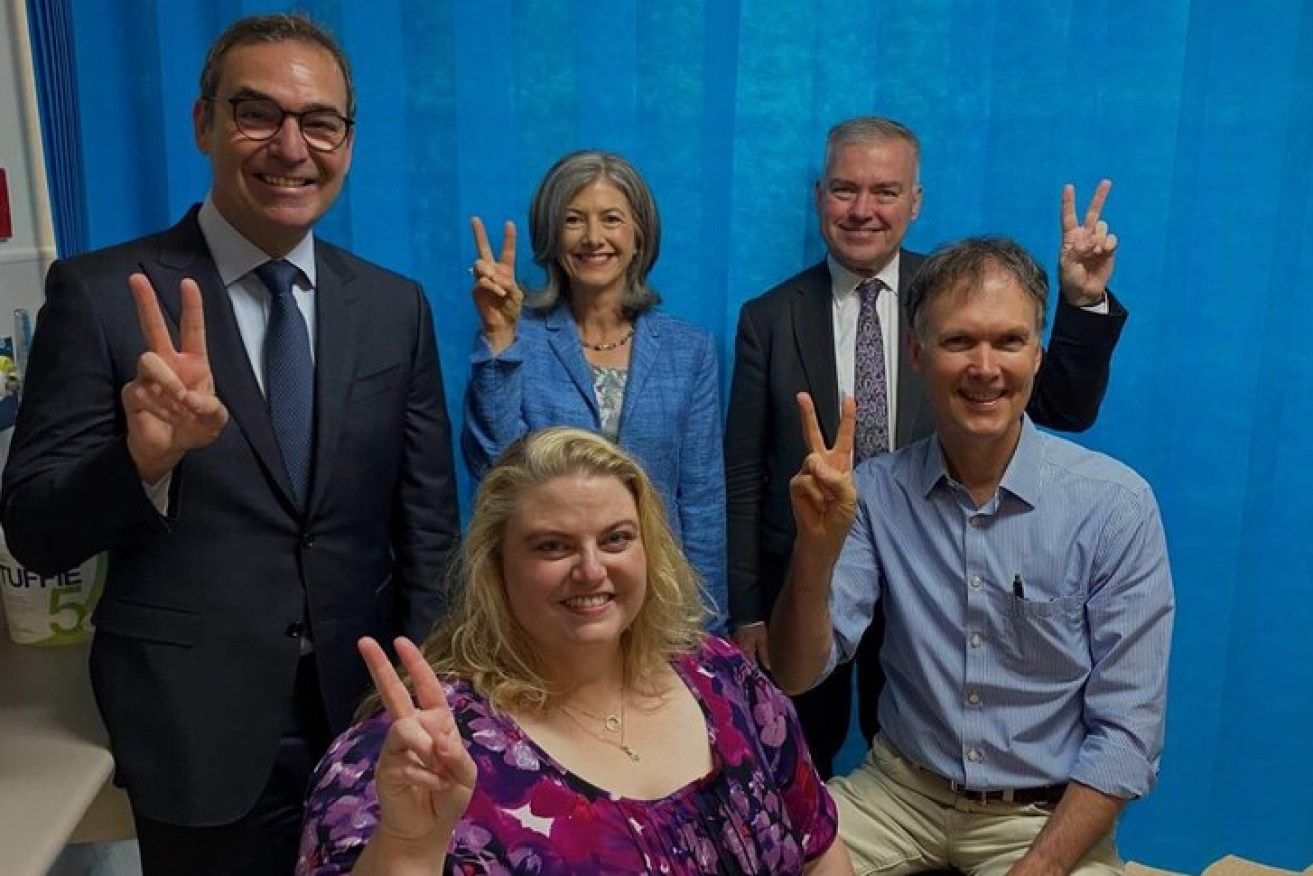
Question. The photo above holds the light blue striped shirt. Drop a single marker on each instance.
(990, 689)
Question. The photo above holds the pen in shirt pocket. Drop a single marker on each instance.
(1018, 588)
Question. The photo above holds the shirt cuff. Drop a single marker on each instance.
(1100, 306)
(158, 493)
(1113, 769)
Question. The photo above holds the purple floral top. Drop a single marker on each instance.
(761, 810)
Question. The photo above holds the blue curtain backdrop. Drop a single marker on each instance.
(1201, 112)
(54, 59)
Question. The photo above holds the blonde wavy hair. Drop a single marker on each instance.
(481, 641)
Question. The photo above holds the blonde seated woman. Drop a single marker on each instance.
(569, 716)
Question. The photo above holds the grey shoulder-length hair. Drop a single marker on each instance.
(567, 177)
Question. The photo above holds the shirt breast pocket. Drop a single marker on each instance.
(1050, 638)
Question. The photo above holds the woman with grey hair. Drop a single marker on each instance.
(590, 350)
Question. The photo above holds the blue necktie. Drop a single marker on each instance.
(289, 375)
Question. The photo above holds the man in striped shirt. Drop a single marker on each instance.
(1027, 594)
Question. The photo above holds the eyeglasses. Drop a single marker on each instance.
(259, 118)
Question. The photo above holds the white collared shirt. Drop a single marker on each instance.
(846, 307)
(236, 258)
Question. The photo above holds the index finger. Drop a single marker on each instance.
(192, 335)
(811, 429)
(1096, 204)
(508, 244)
(1068, 207)
(396, 699)
(428, 690)
(481, 239)
(149, 316)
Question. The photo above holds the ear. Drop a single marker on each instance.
(818, 196)
(202, 123)
(916, 202)
(1039, 359)
(915, 351)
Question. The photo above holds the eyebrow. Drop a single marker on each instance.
(252, 93)
(560, 533)
(878, 184)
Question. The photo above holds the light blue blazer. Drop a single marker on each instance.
(670, 419)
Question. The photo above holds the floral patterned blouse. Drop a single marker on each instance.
(762, 808)
(609, 384)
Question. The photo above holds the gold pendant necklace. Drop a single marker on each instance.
(611, 723)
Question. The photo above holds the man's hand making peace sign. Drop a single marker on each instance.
(824, 503)
(1088, 252)
(170, 404)
(496, 296)
(822, 492)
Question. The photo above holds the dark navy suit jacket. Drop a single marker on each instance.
(199, 625)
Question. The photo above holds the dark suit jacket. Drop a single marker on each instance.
(197, 629)
(785, 345)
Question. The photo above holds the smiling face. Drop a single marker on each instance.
(574, 566)
(977, 346)
(866, 201)
(598, 239)
(273, 191)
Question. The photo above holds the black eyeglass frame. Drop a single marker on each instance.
(233, 103)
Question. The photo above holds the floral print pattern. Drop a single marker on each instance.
(609, 384)
(762, 808)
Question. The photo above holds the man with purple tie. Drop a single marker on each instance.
(811, 333)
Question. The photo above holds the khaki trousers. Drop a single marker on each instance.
(896, 817)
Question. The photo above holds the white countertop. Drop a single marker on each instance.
(54, 759)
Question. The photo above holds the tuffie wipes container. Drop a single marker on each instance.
(49, 610)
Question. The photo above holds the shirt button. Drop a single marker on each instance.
(973, 698)
(976, 582)
(974, 756)
(308, 540)
(977, 521)
(294, 630)
(976, 640)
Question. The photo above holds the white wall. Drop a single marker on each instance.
(25, 256)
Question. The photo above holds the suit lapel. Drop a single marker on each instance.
(337, 346)
(563, 338)
(183, 253)
(642, 362)
(914, 415)
(813, 327)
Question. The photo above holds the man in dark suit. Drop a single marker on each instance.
(801, 337)
(260, 443)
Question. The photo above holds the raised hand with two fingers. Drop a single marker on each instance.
(496, 295)
(1088, 253)
(170, 404)
(822, 493)
(424, 777)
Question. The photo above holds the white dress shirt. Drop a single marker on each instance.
(236, 258)
(846, 307)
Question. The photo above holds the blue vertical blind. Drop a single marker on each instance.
(1201, 112)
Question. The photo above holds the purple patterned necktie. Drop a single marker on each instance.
(870, 388)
